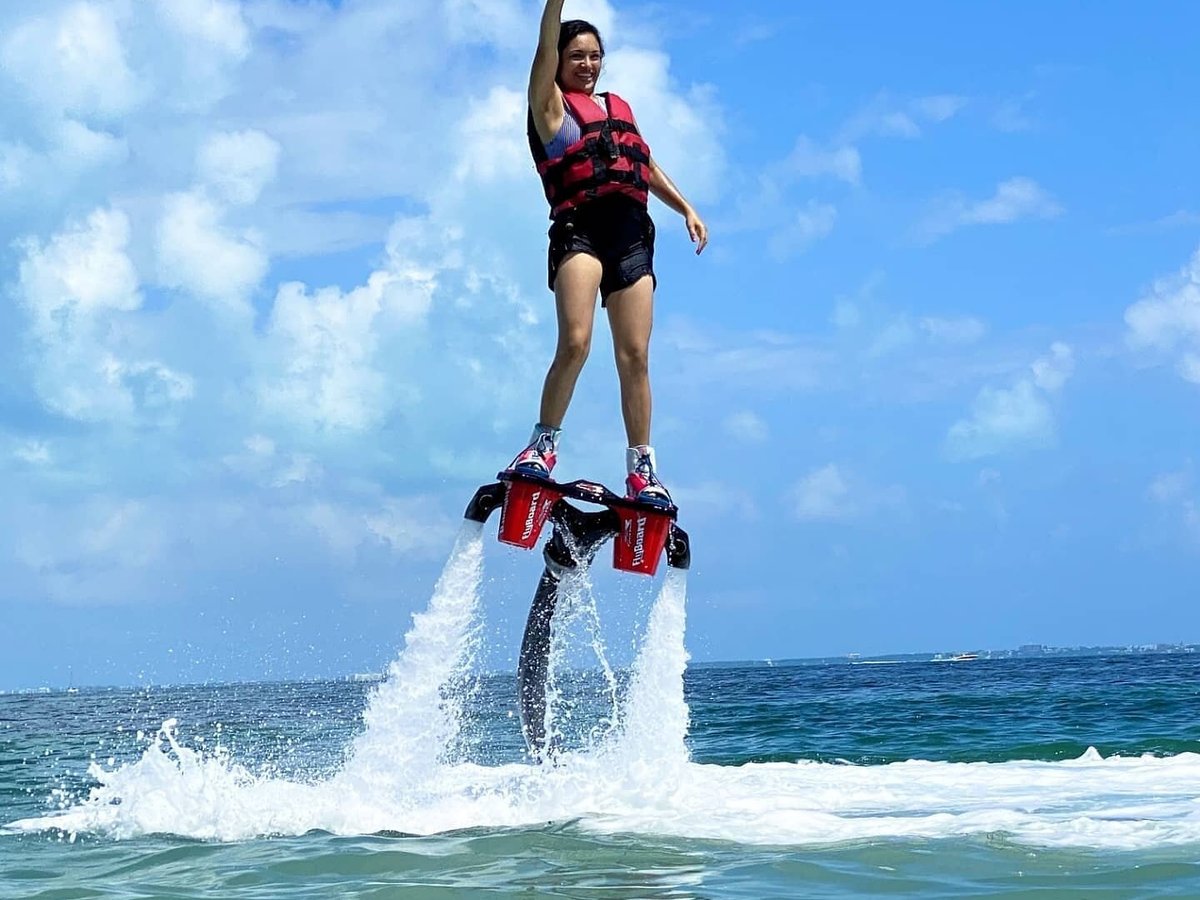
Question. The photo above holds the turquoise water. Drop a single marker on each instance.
(1063, 777)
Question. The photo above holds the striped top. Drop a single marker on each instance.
(568, 133)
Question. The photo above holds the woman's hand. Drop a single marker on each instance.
(664, 189)
(697, 230)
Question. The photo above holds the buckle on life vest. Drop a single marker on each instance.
(609, 142)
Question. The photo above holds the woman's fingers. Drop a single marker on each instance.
(698, 232)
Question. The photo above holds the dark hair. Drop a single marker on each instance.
(571, 29)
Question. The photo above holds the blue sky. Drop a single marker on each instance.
(274, 304)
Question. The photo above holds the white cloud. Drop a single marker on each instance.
(103, 549)
(411, 526)
(939, 107)
(69, 155)
(1051, 372)
(1014, 199)
(1014, 418)
(1167, 320)
(1175, 492)
(80, 148)
(238, 164)
(80, 554)
(14, 164)
(217, 23)
(152, 385)
(846, 313)
(959, 330)
(599, 12)
(259, 461)
(75, 291)
(807, 160)
(894, 335)
(1010, 114)
(1181, 218)
(715, 500)
(35, 453)
(822, 494)
(761, 360)
(754, 32)
(300, 468)
(886, 117)
(831, 494)
(747, 426)
(883, 331)
(503, 22)
(196, 47)
(1171, 486)
(769, 202)
(260, 445)
(1002, 419)
(73, 62)
(256, 455)
(813, 222)
(197, 253)
(82, 271)
(491, 139)
(324, 345)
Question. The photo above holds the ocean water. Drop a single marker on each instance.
(1055, 777)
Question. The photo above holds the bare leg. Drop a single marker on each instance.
(630, 315)
(575, 300)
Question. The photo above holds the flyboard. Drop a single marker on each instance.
(641, 533)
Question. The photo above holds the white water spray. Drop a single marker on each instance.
(655, 721)
(576, 607)
(413, 717)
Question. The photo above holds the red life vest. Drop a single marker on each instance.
(609, 158)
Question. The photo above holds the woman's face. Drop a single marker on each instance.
(580, 65)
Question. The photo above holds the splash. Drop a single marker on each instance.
(392, 771)
(173, 789)
(655, 720)
(571, 692)
(413, 717)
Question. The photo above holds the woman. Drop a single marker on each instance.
(597, 172)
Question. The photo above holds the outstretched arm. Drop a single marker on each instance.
(545, 98)
(664, 189)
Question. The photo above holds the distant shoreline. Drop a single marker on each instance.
(956, 657)
(1029, 651)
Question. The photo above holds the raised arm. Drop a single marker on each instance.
(545, 98)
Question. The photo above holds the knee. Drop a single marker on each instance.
(573, 348)
(633, 360)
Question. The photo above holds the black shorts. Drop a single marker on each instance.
(615, 230)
